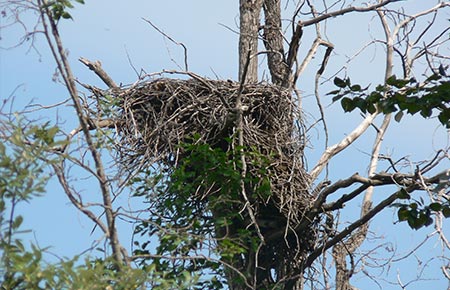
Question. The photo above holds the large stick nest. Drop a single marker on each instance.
(158, 115)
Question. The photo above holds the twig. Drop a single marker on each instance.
(172, 40)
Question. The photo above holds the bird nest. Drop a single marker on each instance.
(157, 116)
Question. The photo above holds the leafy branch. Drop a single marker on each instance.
(400, 96)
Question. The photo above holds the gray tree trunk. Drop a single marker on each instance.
(250, 11)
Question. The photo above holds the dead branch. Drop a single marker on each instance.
(186, 67)
(96, 67)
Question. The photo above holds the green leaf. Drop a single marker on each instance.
(412, 222)
(446, 211)
(444, 117)
(66, 15)
(429, 221)
(335, 92)
(403, 214)
(371, 108)
(360, 103)
(398, 116)
(391, 80)
(433, 77)
(436, 206)
(339, 82)
(403, 194)
(426, 112)
(347, 104)
(336, 98)
(419, 221)
(355, 88)
(17, 222)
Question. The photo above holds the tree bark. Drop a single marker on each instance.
(250, 11)
(273, 41)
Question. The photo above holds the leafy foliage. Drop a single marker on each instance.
(24, 156)
(419, 214)
(416, 213)
(398, 95)
(404, 95)
(22, 176)
(58, 8)
(188, 208)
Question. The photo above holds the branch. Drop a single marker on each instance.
(344, 11)
(93, 125)
(348, 230)
(55, 43)
(249, 20)
(376, 180)
(273, 41)
(335, 149)
(379, 179)
(175, 42)
(97, 68)
(63, 181)
(316, 91)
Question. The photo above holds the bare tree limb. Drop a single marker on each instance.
(336, 148)
(97, 68)
(345, 11)
(79, 205)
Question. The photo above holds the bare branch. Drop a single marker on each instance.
(59, 54)
(336, 148)
(345, 11)
(172, 40)
(97, 68)
(78, 204)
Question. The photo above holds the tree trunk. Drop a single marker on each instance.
(273, 41)
(250, 11)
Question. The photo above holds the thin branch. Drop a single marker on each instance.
(59, 54)
(79, 205)
(317, 95)
(355, 225)
(172, 40)
(344, 11)
(377, 180)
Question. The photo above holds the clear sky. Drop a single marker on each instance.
(115, 33)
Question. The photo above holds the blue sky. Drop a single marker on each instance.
(114, 33)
